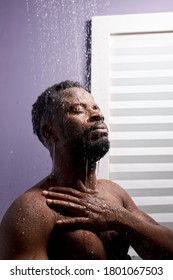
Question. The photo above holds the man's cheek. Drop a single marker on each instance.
(74, 128)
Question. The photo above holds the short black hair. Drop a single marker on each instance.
(46, 102)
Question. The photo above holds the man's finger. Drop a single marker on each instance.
(82, 188)
(75, 223)
(72, 207)
(65, 190)
(61, 196)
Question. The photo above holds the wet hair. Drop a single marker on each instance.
(45, 104)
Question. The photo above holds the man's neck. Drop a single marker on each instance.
(66, 173)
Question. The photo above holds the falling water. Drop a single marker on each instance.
(30, 46)
(60, 40)
(97, 168)
(60, 36)
(86, 170)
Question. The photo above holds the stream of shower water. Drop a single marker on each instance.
(59, 38)
(54, 36)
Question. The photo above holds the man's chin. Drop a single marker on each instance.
(98, 149)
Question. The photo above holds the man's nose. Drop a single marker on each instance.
(96, 116)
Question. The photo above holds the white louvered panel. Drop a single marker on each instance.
(138, 59)
(138, 89)
(141, 151)
(134, 65)
(162, 217)
(123, 135)
(141, 119)
(145, 184)
(142, 41)
(155, 200)
(138, 104)
(142, 73)
(136, 167)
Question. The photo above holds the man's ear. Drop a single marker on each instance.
(47, 132)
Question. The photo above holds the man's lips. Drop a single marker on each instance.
(98, 131)
(101, 126)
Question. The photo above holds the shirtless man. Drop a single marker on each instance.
(101, 219)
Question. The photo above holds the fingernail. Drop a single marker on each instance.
(49, 201)
(59, 222)
(45, 192)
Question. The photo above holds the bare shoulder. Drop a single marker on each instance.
(119, 192)
(108, 184)
(27, 223)
(127, 202)
(29, 208)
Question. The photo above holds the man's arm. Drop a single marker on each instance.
(149, 239)
(111, 208)
(24, 233)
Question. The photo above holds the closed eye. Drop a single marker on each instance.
(77, 109)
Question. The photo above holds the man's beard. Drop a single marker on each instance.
(94, 151)
(85, 149)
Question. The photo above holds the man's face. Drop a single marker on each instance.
(81, 125)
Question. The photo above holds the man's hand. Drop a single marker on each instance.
(91, 209)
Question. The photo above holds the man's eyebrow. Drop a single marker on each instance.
(78, 104)
(83, 104)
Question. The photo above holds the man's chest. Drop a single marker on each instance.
(82, 245)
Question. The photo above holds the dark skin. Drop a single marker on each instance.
(83, 218)
(109, 208)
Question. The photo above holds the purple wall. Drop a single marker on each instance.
(41, 43)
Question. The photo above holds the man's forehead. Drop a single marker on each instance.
(76, 95)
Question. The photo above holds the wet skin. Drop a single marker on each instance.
(88, 243)
(29, 230)
(93, 219)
